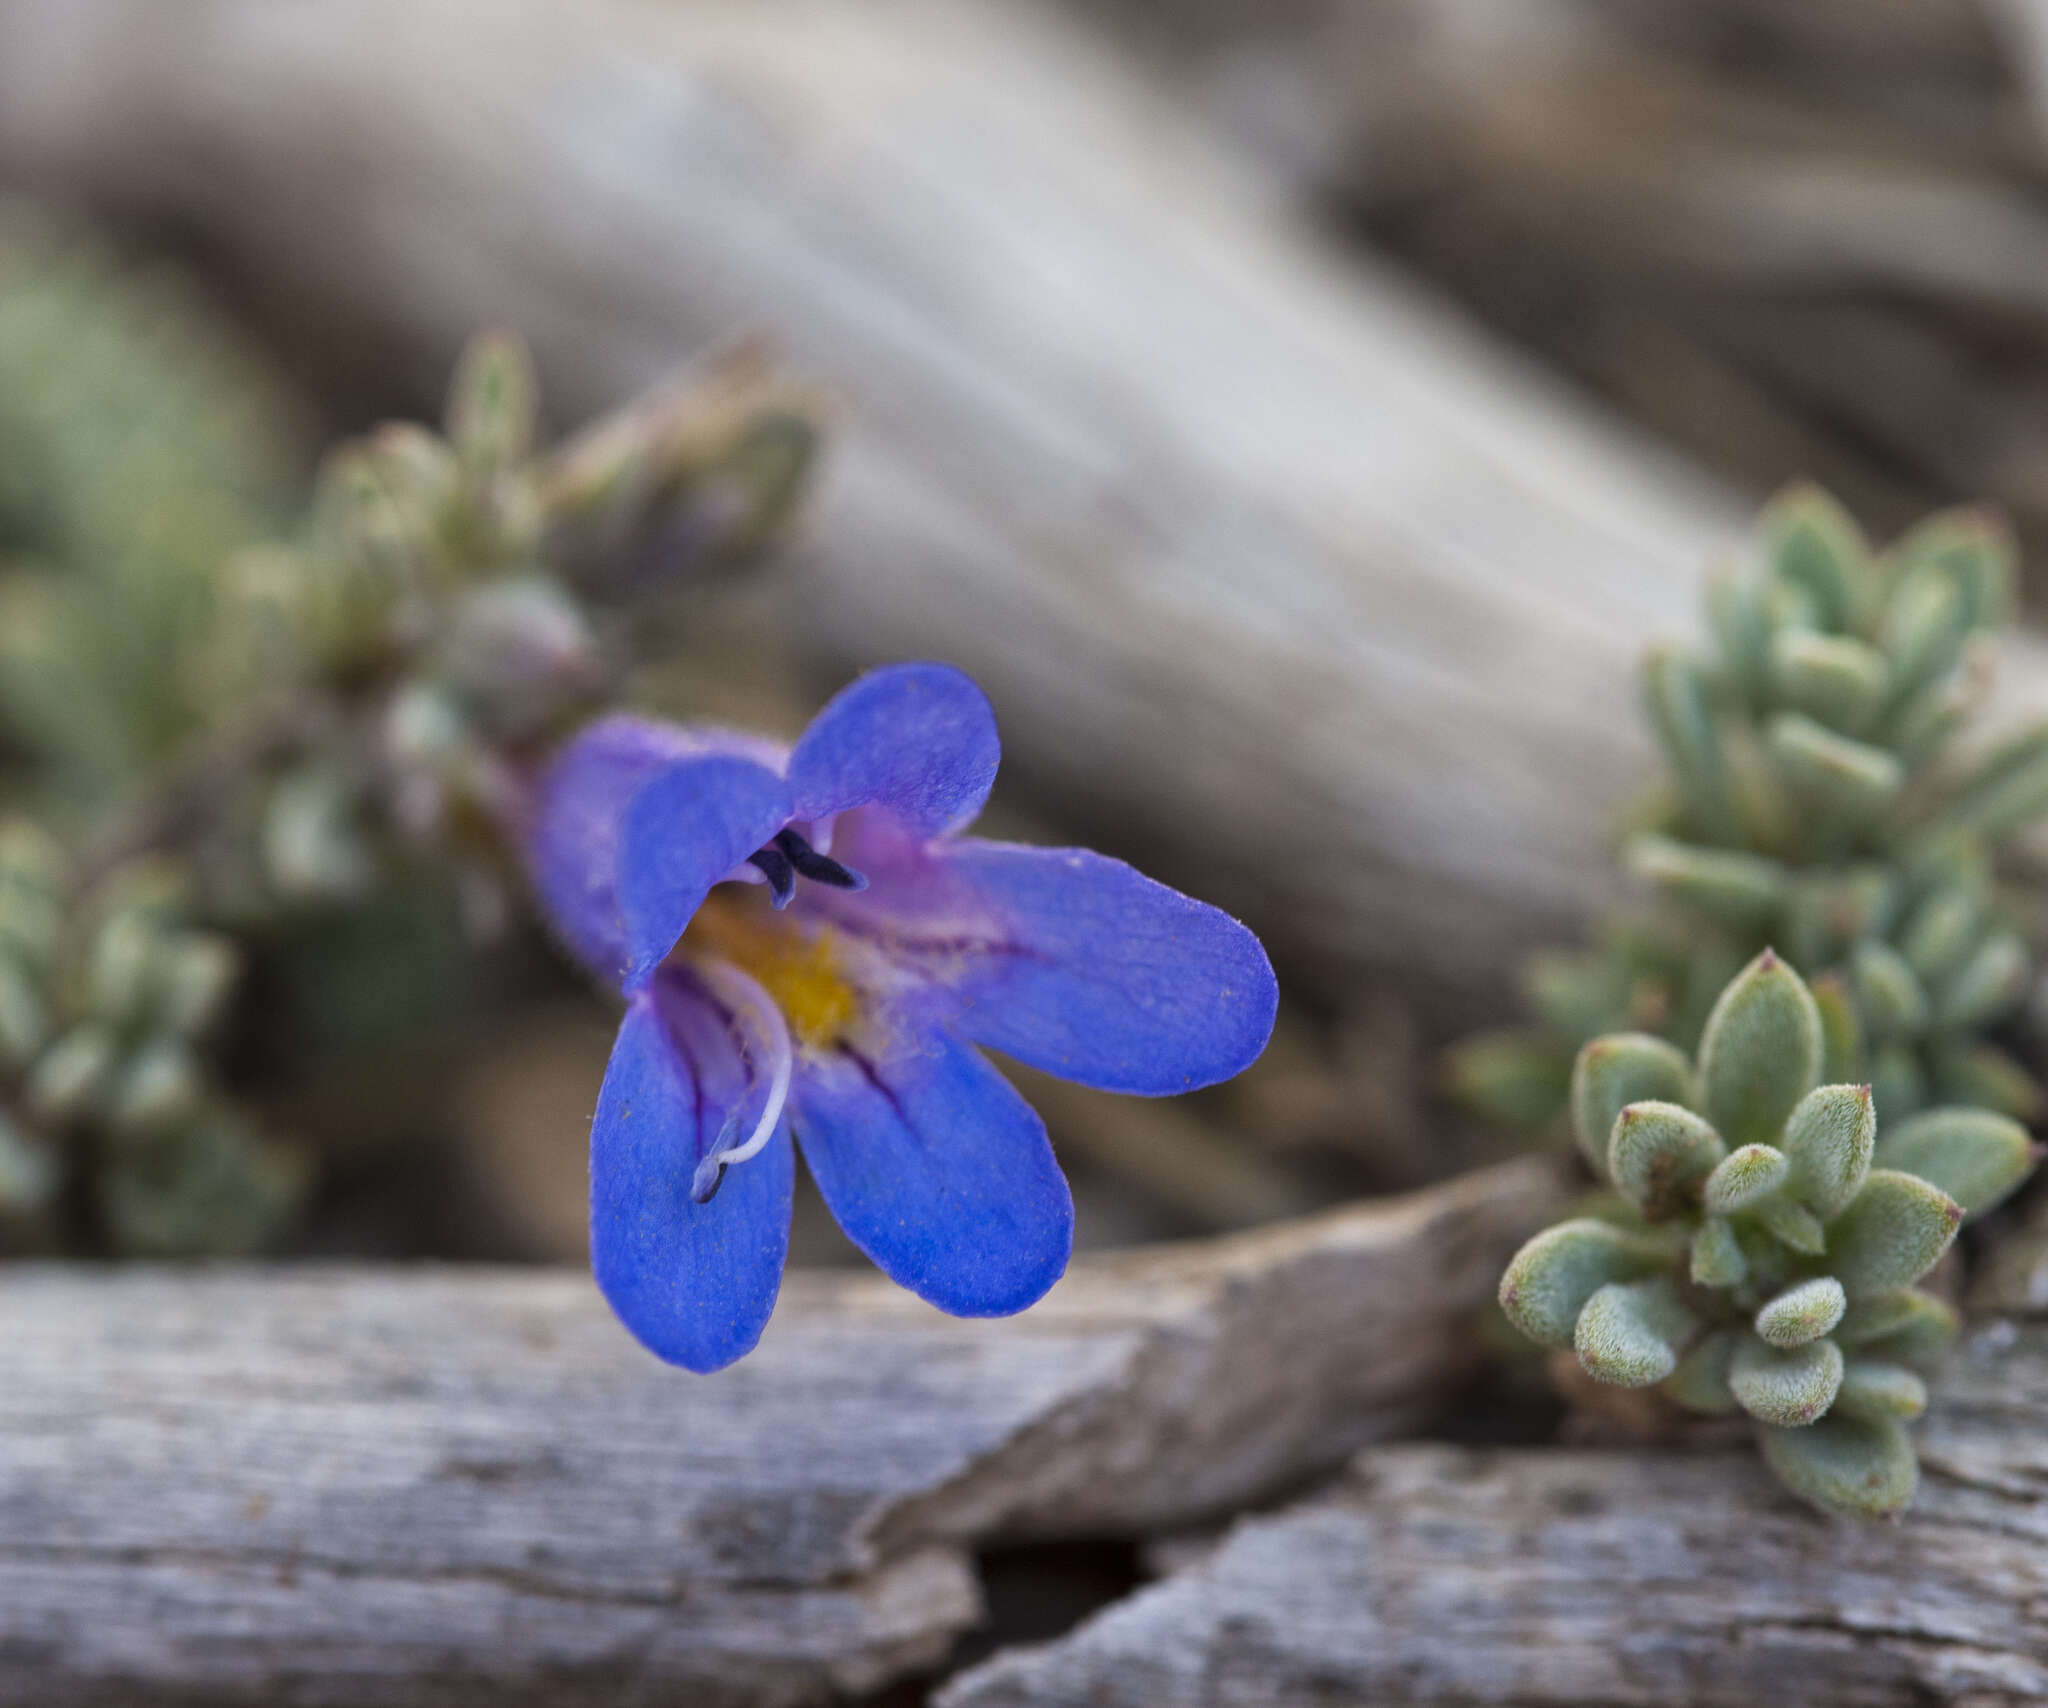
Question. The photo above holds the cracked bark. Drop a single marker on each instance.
(1445, 1575)
(326, 1486)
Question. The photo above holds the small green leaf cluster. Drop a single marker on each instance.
(1760, 1245)
(1812, 804)
(108, 994)
(140, 446)
(458, 600)
(231, 748)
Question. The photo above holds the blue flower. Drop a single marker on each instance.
(807, 946)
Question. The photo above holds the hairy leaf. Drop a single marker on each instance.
(1760, 1053)
(1802, 1313)
(1829, 1139)
(1856, 1467)
(1973, 1155)
(1550, 1279)
(1617, 1070)
(1658, 1150)
(1894, 1232)
(1630, 1333)
(1789, 1386)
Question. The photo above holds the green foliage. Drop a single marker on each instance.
(140, 446)
(1813, 804)
(230, 745)
(1775, 1278)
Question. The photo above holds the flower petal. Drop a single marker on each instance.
(688, 827)
(940, 1172)
(1069, 961)
(695, 1283)
(579, 808)
(917, 740)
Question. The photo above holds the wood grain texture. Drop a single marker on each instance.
(330, 1486)
(1447, 1575)
(1257, 550)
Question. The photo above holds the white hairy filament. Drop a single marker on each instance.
(767, 1039)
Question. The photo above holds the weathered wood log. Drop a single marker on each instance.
(447, 1486)
(1438, 1574)
(1258, 553)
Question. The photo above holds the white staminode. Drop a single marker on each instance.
(767, 1040)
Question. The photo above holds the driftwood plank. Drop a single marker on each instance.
(1448, 1575)
(445, 1486)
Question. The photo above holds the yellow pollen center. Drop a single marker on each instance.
(798, 968)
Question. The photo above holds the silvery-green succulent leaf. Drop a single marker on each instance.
(1835, 775)
(24, 1012)
(1942, 930)
(1881, 1316)
(1835, 680)
(158, 1085)
(1547, 1284)
(2007, 791)
(1676, 694)
(492, 403)
(1892, 1234)
(1743, 1177)
(1657, 1151)
(1742, 631)
(1875, 1390)
(1717, 1257)
(1888, 993)
(1802, 1313)
(1769, 1262)
(1792, 1225)
(1576, 993)
(1852, 1466)
(1811, 542)
(29, 1174)
(33, 874)
(1720, 883)
(1841, 1030)
(1761, 1052)
(70, 1073)
(1829, 1139)
(1972, 545)
(1925, 624)
(1985, 1076)
(1614, 1071)
(1631, 1333)
(1911, 1328)
(1700, 1381)
(117, 966)
(1519, 1075)
(1786, 1386)
(1973, 1155)
(1898, 1083)
(192, 974)
(1985, 985)
(1920, 726)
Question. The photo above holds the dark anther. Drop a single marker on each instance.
(819, 868)
(776, 868)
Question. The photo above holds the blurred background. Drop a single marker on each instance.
(1299, 415)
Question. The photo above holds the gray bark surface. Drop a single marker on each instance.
(1544, 1577)
(318, 1485)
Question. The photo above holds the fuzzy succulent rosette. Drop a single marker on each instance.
(1813, 803)
(1760, 1244)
